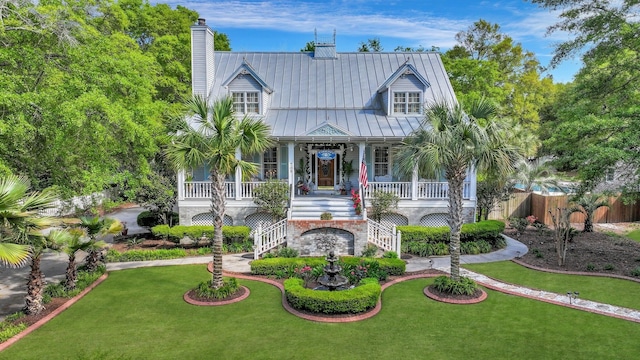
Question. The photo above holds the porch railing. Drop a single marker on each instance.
(383, 236)
(426, 190)
(202, 189)
(269, 237)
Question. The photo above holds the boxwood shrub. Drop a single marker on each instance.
(230, 234)
(272, 266)
(488, 230)
(352, 301)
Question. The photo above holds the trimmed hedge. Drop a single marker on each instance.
(272, 266)
(352, 301)
(230, 234)
(388, 265)
(488, 230)
(144, 255)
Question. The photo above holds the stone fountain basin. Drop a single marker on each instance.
(351, 301)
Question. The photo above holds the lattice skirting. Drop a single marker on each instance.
(438, 219)
(207, 219)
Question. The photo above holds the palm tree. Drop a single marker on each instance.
(71, 242)
(588, 204)
(213, 140)
(536, 174)
(94, 226)
(20, 231)
(452, 141)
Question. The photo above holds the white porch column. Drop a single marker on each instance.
(238, 182)
(473, 183)
(291, 170)
(414, 183)
(181, 185)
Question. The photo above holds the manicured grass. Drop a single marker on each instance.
(601, 289)
(140, 314)
(634, 235)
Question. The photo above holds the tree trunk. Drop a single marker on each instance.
(217, 211)
(455, 223)
(71, 274)
(588, 223)
(35, 288)
(92, 260)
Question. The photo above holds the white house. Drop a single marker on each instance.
(327, 109)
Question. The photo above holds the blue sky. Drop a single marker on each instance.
(287, 25)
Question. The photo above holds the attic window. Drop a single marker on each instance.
(246, 102)
(406, 102)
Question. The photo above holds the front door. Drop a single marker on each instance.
(325, 172)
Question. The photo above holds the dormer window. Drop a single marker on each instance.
(406, 102)
(247, 102)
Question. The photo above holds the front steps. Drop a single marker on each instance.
(310, 207)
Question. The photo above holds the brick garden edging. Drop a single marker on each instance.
(191, 301)
(481, 298)
(53, 314)
(615, 276)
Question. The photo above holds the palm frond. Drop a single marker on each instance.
(14, 255)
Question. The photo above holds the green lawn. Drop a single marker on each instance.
(140, 314)
(601, 289)
(634, 235)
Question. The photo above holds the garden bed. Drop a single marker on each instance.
(600, 251)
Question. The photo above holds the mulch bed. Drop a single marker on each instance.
(192, 294)
(594, 252)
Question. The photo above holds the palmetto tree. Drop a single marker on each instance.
(452, 141)
(20, 231)
(70, 242)
(538, 173)
(94, 226)
(212, 138)
(588, 204)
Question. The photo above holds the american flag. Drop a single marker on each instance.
(363, 174)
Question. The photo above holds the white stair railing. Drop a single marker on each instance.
(383, 236)
(269, 237)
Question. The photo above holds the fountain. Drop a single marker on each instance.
(331, 280)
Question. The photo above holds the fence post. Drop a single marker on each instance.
(398, 243)
(257, 241)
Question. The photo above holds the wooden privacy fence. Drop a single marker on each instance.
(525, 204)
(518, 205)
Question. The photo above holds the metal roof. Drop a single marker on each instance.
(333, 98)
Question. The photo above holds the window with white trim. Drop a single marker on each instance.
(380, 161)
(270, 164)
(406, 102)
(247, 102)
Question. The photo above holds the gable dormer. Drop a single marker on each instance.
(403, 92)
(249, 92)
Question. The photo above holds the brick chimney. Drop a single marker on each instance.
(202, 58)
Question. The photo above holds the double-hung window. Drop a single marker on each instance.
(381, 161)
(270, 164)
(247, 102)
(406, 102)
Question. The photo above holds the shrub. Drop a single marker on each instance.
(352, 301)
(369, 251)
(365, 269)
(591, 267)
(151, 218)
(390, 255)
(144, 255)
(326, 216)
(470, 248)
(520, 224)
(270, 266)
(609, 267)
(230, 234)
(9, 330)
(230, 286)
(488, 230)
(464, 286)
(636, 271)
(287, 252)
(537, 253)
